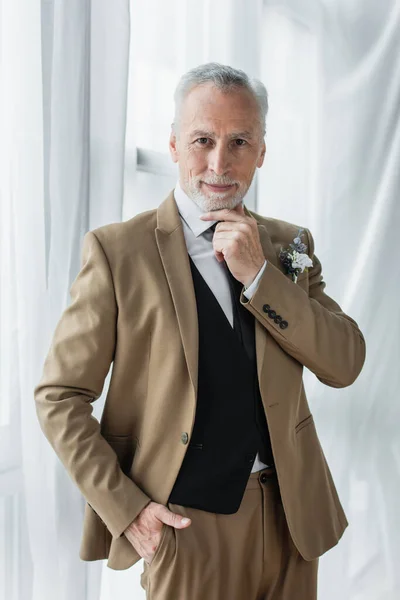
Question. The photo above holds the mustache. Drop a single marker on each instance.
(219, 181)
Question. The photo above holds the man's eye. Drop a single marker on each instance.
(240, 140)
(202, 140)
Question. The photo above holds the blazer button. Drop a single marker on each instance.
(278, 319)
(283, 324)
(272, 314)
(266, 307)
(184, 437)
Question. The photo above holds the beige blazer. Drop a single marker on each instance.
(133, 306)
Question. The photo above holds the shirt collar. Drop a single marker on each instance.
(190, 211)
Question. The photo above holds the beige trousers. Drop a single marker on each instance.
(248, 555)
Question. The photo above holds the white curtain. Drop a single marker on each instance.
(64, 75)
(78, 94)
(332, 69)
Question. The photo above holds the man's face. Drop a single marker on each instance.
(218, 145)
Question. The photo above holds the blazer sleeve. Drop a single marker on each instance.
(79, 358)
(318, 333)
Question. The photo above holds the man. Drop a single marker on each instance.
(206, 416)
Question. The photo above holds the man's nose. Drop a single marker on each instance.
(219, 160)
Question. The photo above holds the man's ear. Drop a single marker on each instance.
(260, 160)
(173, 146)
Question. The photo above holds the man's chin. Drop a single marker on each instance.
(209, 200)
(213, 200)
(209, 204)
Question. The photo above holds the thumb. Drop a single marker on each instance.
(173, 519)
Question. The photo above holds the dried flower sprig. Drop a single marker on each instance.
(294, 258)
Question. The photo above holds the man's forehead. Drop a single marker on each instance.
(220, 127)
(219, 122)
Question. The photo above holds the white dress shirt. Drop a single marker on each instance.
(200, 248)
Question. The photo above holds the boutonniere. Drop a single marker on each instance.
(294, 258)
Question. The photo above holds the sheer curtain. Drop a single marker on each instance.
(64, 70)
(333, 150)
(86, 104)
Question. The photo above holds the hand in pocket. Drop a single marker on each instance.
(145, 532)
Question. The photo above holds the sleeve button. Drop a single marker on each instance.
(272, 314)
(283, 324)
(266, 307)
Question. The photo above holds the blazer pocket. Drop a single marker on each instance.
(307, 421)
(125, 447)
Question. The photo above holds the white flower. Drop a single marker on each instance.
(301, 261)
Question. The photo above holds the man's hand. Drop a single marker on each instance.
(237, 241)
(144, 533)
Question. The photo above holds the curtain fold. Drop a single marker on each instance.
(64, 82)
(333, 152)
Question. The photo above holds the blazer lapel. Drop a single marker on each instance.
(174, 256)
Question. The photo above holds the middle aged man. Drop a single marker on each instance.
(206, 415)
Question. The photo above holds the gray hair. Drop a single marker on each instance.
(225, 78)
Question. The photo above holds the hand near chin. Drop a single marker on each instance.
(237, 241)
(144, 533)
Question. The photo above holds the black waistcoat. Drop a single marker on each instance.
(230, 424)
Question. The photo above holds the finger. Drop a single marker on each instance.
(227, 248)
(225, 214)
(232, 226)
(170, 518)
(228, 235)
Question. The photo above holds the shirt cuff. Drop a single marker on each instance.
(249, 291)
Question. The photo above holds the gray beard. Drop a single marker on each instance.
(215, 201)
